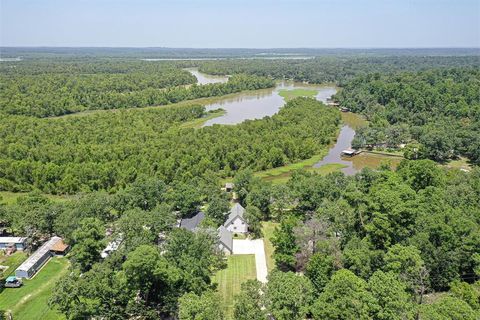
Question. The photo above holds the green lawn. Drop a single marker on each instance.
(12, 262)
(7, 197)
(292, 94)
(240, 268)
(267, 228)
(30, 300)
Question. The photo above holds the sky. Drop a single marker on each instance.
(241, 24)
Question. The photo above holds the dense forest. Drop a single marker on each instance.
(435, 111)
(382, 244)
(337, 69)
(402, 245)
(386, 240)
(73, 87)
(105, 151)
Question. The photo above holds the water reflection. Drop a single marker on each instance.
(261, 103)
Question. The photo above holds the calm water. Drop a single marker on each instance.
(267, 102)
(253, 105)
(203, 78)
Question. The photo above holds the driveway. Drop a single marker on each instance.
(256, 247)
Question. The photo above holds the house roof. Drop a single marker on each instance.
(229, 185)
(12, 239)
(225, 237)
(193, 222)
(60, 246)
(37, 255)
(236, 211)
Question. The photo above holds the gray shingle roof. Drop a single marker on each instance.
(236, 211)
(225, 237)
(193, 222)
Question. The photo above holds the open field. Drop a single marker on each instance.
(292, 94)
(240, 268)
(7, 197)
(31, 300)
(267, 228)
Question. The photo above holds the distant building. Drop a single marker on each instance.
(236, 222)
(20, 243)
(349, 152)
(30, 266)
(229, 187)
(192, 222)
(111, 247)
(225, 240)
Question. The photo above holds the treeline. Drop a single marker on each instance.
(108, 150)
(337, 69)
(141, 279)
(437, 111)
(401, 245)
(59, 92)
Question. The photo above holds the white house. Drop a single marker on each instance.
(236, 222)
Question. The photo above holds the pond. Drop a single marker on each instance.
(267, 102)
(352, 121)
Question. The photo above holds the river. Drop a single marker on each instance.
(267, 102)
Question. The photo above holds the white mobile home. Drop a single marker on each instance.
(30, 266)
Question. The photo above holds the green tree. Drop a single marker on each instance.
(253, 215)
(288, 295)
(466, 292)
(87, 243)
(393, 300)
(217, 209)
(407, 263)
(336, 301)
(249, 302)
(204, 307)
(283, 241)
(150, 274)
(319, 269)
(448, 308)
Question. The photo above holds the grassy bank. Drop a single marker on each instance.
(267, 228)
(7, 197)
(198, 123)
(31, 300)
(239, 269)
(295, 93)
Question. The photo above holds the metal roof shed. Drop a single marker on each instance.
(30, 266)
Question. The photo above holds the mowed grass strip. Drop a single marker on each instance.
(240, 268)
(12, 262)
(31, 300)
(267, 228)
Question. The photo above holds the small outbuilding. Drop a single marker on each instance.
(229, 187)
(60, 248)
(349, 152)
